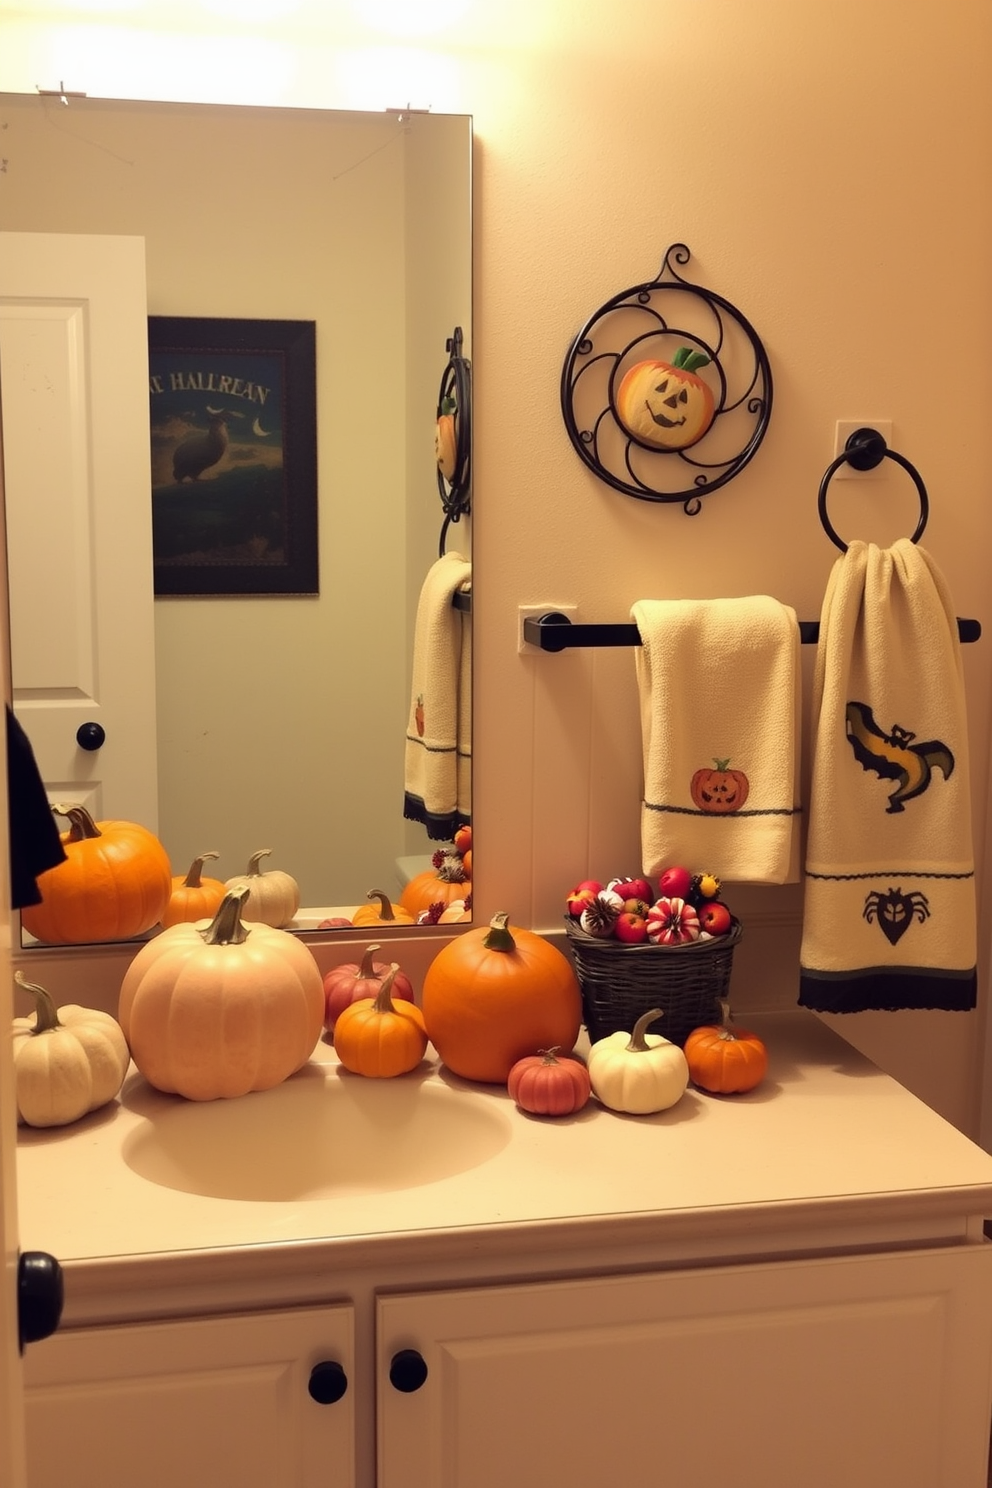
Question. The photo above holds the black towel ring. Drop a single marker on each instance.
(865, 449)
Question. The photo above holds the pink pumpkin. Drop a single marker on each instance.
(354, 982)
(547, 1086)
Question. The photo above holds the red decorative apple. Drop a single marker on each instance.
(578, 899)
(632, 924)
(675, 883)
(714, 917)
(633, 888)
(672, 922)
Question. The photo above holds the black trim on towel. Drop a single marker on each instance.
(888, 989)
(441, 826)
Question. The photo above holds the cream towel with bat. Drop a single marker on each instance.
(719, 688)
(889, 918)
(438, 748)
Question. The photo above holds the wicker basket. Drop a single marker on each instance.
(621, 982)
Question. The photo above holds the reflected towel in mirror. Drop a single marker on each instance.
(438, 749)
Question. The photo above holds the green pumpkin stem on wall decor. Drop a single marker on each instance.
(688, 360)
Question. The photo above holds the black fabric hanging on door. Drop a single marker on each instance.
(35, 843)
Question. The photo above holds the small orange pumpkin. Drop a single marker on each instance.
(724, 1059)
(664, 404)
(496, 994)
(719, 791)
(194, 897)
(115, 883)
(380, 1038)
(382, 912)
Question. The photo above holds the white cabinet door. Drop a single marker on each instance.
(212, 1403)
(868, 1372)
(74, 399)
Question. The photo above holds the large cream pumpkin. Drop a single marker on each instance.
(664, 404)
(218, 1008)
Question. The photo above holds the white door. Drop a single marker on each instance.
(74, 403)
(863, 1371)
(253, 1401)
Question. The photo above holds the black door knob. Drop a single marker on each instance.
(328, 1382)
(91, 736)
(40, 1294)
(407, 1371)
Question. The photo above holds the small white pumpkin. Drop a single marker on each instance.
(66, 1062)
(638, 1072)
(273, 896)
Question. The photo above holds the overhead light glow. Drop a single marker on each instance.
(410, 17)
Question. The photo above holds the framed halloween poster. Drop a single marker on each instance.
(233, 408)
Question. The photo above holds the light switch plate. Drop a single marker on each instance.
(845, 428)
(524, 648)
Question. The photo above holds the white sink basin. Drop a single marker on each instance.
(323, 1133)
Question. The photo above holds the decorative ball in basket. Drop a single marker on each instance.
(634, 952)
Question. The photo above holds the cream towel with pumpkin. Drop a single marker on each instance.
(889, 918)
(437, 754)
(720, 691)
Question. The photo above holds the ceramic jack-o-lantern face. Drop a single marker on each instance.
(446, 439)
(664, 404)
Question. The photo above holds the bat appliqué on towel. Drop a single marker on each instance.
(893, 756)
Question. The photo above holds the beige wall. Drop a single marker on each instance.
(828, 167)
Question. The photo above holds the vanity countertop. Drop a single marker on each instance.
(827, 1144)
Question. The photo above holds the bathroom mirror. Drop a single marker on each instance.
(282, 719)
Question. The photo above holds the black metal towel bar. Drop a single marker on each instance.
(462, 600)
(554, 632)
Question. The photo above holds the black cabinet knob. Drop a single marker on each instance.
(40, 1294)
(91, 736)
(328, 1382)
(407, 1371)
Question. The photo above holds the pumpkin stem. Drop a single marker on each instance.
(727, 1029)
(367, 969)
(638, 1043)
(383, 998)
(499, 937)
(722, 764)
(385, 905)
(46, 1017)
(253, 870)
(227, 926)
(688, 360)
(548, 1055)
(81, 823)
(192, 879)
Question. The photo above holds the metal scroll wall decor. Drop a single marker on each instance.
(666, 391)
(453, 438)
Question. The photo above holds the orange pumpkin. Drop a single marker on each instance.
(215, 1010)
(378, 1037)
(382, 912)
(194, 897)
(496, 994)
(664, 404)
(445, 881)
(719, 791)
(115, 883)
(724, 1059)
